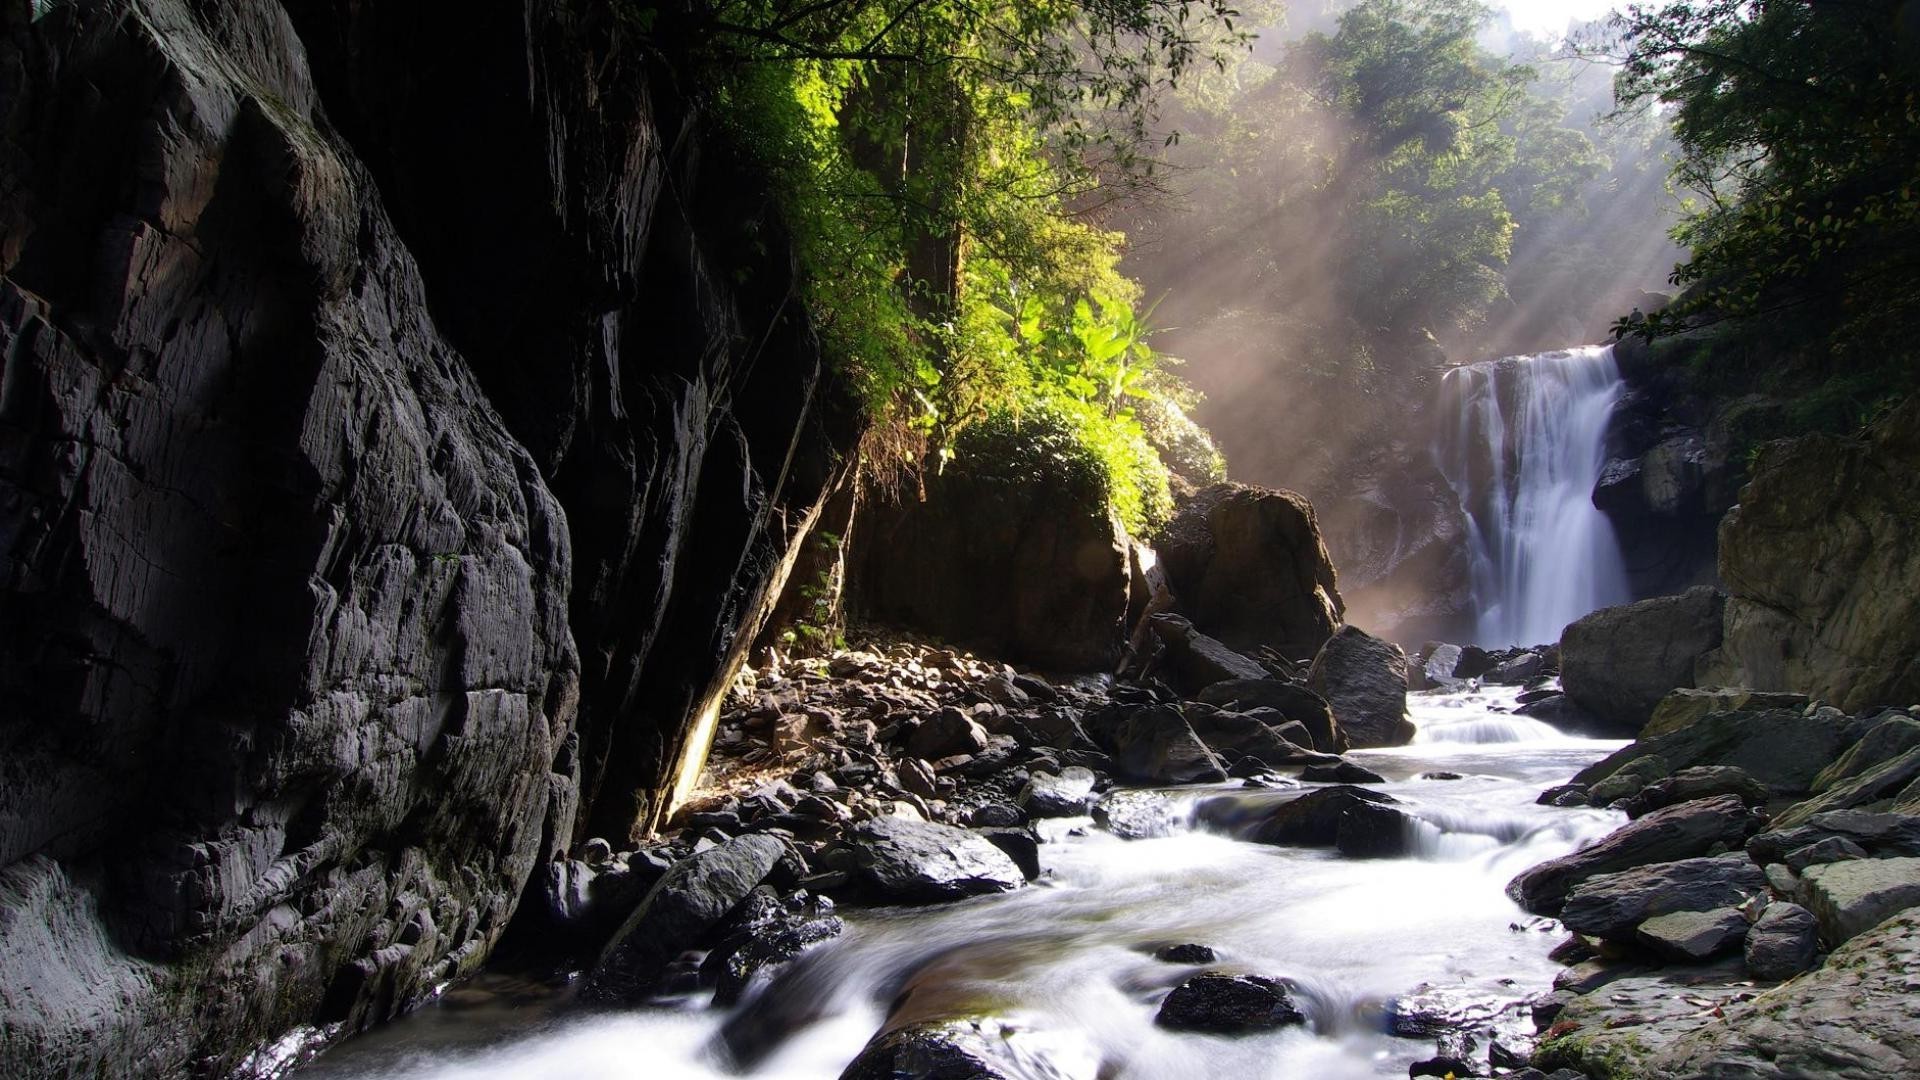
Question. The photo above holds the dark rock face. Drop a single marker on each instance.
(333, 437)
(1291, 700)
(1618, 662)
(678, 914)
(1822, 564)
(1612, 905)
(1364, 679)
(926, 862)
(1229, 1005)
(1248, 567)
(1780, 748)
(1014, 550)
(1678, 832)
(957, 1050)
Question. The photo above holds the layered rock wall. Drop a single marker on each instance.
(396, 452)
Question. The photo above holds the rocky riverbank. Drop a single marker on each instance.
(1757, 915)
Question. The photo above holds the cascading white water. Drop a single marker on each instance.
(1523, 451)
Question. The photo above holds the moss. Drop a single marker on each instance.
(1613, 1059)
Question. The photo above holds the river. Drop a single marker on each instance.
(1067, 963)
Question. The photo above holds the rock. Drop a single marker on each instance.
(1687, 704)
(1849, 898)
(1893, 736)
(1781, 749)
(1184, 954)
(1517, 671)
(1019, 845)
(1443, 1065)
(1613, 1033)
(1612, 905)
(1851, 1019)
(949, 1050)
(945, 734)
(1678, 832)
(1831, 849)
(1249, 567)
(1560, 711)
(1698, 782)
(1310, 820)
(1013, 547)
(1364, 679)
(1563, 795)
(1069, 794)
(926, 862)
(1439, 664)
(1197, 661)
(1292, 700)
(1628, 781)
(1619, 662)
(762, 935)
(1689, 937)
(1220, 1004)
(996, 815)
(1877, 834)
(1782, 942)
(1154, 745)
(1896, 779)
(1345, 772)
(1371, 831)
(680, 912)
(1820, 560)
(1236, 735)
(1002, 689)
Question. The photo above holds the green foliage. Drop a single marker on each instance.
(925, 154)
(1800, 130)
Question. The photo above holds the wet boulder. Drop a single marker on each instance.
(1519, 670)
(1685, 831)
(1235, 735)
(1136, 815)
(949, 1050)
(919, 862)
(1341, 772)
(1613, 905)
(1364, 679)
(1294, 701)
(763, 934)
(1249, 567)
(1619, 662)
(1311, 820)
(1221, 1004)
(679, 913)
(1782, 942)
(1019, 844)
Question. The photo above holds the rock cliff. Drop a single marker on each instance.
(396, 456)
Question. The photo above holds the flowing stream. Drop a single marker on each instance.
(1067, 964)
(1525, 447)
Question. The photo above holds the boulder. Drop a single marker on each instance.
(1221, 1004)
(1613, 905)
(1851, 897)
(1687, 704)
(1364, 679)
(1019, 844)
(1372, 831)
(1310, 820)
(1619, 662)
(1783, 749)
(1438, 662)
(1891, 737)
(1878, 834)
(1782, 942)
(1678, 832)
(938, 1050)
(1341, 772)
(1832, 849)
(919, 862)
(1822, 561)
(1013, 548)
(1154, 745)
(1249, 567)
(764, 934)
(1519, 670)
(678, 914)
(1137, 815)
(1894, 780)
(1196, 661)
(1698, 782)
(1689, 937)
(1294, 701)
(1235, 735)
(945, 734)
(1068, 794)
(1851, 1019)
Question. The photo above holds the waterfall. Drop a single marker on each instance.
(1523, 450)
